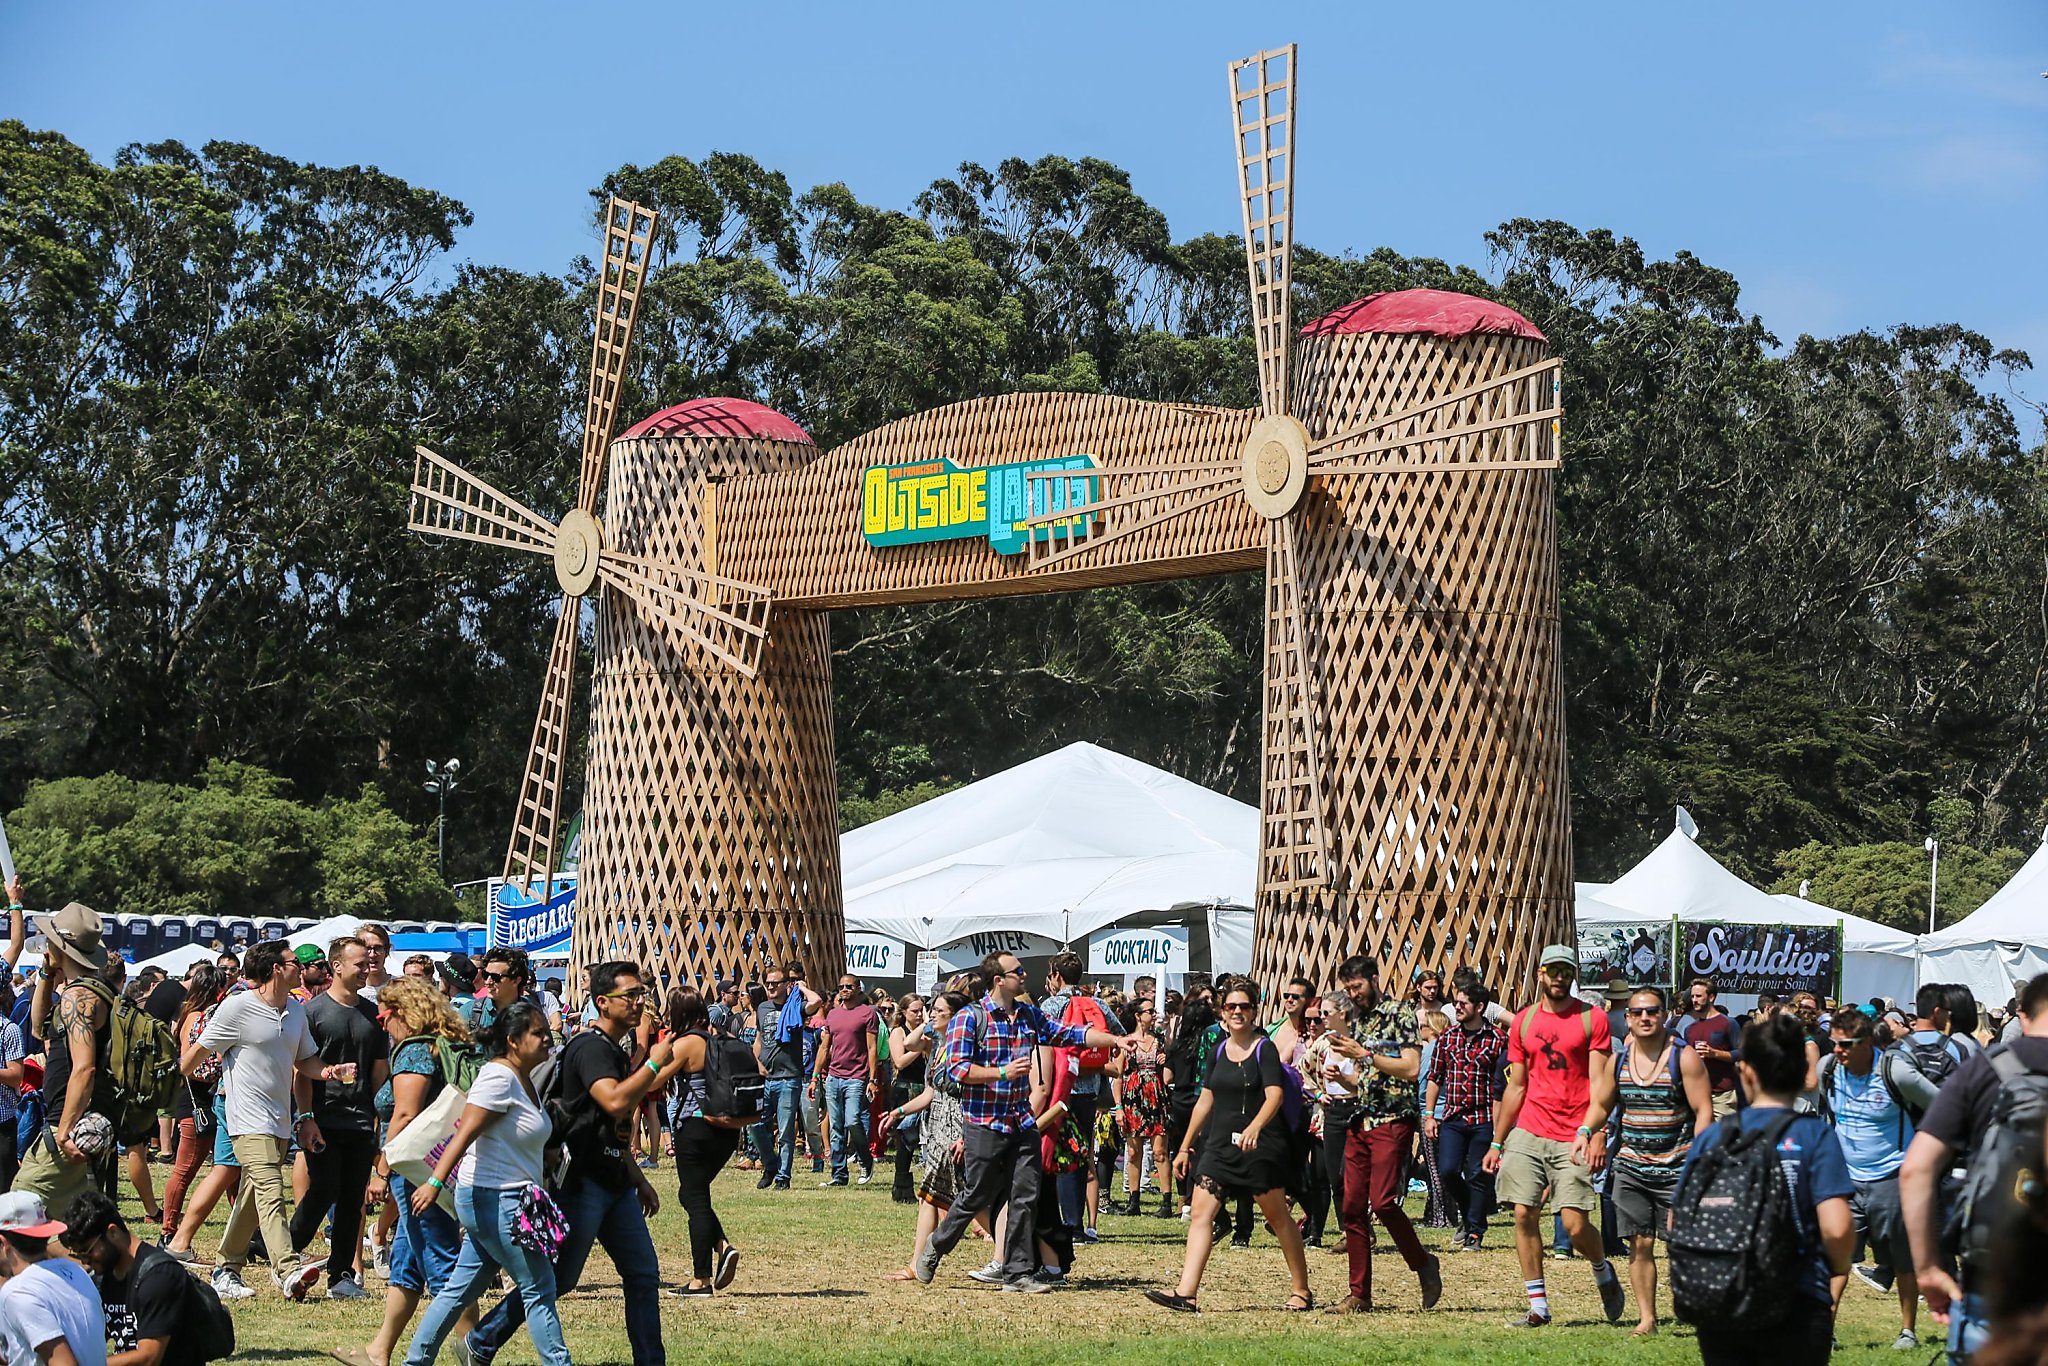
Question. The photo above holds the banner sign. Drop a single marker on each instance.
(936, 500)
(968, 951)
(1777, 958)
(927, 972)
(532, 923)
(873, 955)
(1151, 952)
(1641, 954)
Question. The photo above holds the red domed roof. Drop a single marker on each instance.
(718, 417)
(1441, 312)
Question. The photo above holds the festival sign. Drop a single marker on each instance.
(1153, 951)
(1638, 953)
(936, 500)
(1748, 959)
(532, 923)
(873, 955)
(968, 950)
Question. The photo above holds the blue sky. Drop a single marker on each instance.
(1853, 166)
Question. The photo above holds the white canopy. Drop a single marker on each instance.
(1060, 846)
(176, 962)
(1680, 879)
(2001, 943)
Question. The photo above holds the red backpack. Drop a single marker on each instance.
(1088, 1012)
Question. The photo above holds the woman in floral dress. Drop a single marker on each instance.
(1144, 1101)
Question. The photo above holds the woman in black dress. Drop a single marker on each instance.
(1242, 1139)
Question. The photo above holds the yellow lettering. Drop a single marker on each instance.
(899, 505)
(977, 508)
(874, 501)
(931, 502)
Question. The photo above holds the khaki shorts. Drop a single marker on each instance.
(56, 1178)
(1530, 1166)
(1724, 1103)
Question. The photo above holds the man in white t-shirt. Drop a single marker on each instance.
(270, 1063)
(49, 1308)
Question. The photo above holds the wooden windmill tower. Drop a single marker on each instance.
(1395, 485)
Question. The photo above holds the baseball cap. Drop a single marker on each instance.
(23, 1213)
(308, 953)
(1558, 953)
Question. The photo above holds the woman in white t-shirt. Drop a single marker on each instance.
(494, 1156)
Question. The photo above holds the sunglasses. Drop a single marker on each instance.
(1236, 1005)
(501, 977)
(1646, 1010)
(1845, 1045)
(1017, 971)
(775, 981)
(630, 994)
(1291, 996)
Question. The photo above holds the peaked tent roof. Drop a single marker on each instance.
(1680, 878)
(1060, 846)
(2017, 913)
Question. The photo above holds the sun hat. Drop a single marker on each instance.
(1558, 953)
(24, 1213)
(75, 932)
(1618, 989)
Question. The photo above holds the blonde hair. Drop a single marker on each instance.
(1434, 1023)
(421, 1009)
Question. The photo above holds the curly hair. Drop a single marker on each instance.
(421, 1009)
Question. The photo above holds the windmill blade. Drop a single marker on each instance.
(531, 854)
(1296, 842)
(725, 617)
(1262, 103)
(447, 500)
(628, 243)
(1115, 502)
(1529, 395)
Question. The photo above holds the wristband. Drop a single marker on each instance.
(653, 1067)
(1584, 1132)
(437, 1183)
(302, 1117)
(1496, 1147)
(16, 906)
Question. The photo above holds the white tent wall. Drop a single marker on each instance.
(2001, 943)
(1061, 846)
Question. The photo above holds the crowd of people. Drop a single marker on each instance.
(451, 1127)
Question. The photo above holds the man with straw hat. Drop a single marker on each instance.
(74, 1012)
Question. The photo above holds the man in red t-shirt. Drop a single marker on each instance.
(1560, 1085)
(846, 1077)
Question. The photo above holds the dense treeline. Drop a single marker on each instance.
(1804, 582)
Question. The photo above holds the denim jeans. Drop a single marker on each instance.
(1460, 1148)
(775, 1134)
(424, 1247)
(1969, 1327)
(488, 1214)
(595, 1215)
(846, 1105)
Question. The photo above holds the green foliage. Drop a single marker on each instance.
(1801, 582)
(236, 844)
(856, 810)
(1888, 882)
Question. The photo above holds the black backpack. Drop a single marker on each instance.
(2004, 1181)
(1734, 1245)
(1933, 1060)
(206, 1331)
(733, 1084)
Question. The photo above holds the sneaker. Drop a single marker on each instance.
(1880, 1281)
(380, 1263)
(767, 1180)
(781, 1184)
(1612, 1300)
(1532, 1319)
(926, 1266)
(690, 1292)
(458, 1347)
(1905, 1341)
(648, 1164)
(829, 1182)
(1089, 1235)
(346, 1289)
(1241, 1243)
(867, 1174)
(179, 1254)
(992, 1274)
(228, 1285)
(1026, 1285)
(1051, 1275)
(300, 1283)
(1432, 1275)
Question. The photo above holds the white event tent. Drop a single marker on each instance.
(1678, 878)
(1058, 847)
(2002, 942)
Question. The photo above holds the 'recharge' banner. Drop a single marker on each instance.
(1748, 959)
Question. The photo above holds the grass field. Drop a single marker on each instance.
(810, 1290)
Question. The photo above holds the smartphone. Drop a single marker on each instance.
(1237, 1139)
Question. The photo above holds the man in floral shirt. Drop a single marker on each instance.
(1385, 1048)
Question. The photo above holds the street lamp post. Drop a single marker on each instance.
(1933, 847)
(442, 779)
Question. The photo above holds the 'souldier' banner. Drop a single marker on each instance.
(1752, 958)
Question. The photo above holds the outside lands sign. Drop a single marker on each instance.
(936, 500)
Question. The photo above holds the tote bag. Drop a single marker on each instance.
(417, 1150)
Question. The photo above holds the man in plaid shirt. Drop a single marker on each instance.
(989, 1051)
(1466, 1077)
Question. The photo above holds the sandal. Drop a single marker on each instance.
(901, 1273)
(1299, 1304)
(1180, 1304)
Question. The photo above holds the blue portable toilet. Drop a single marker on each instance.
(205, 929)
(138, 938)
(239, 932)
(267, 930)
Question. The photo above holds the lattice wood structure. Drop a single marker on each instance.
(1396, 485)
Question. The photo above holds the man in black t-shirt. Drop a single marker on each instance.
(157, 1313)
(343, 1144)
(1955, 1124)
(605, 1198)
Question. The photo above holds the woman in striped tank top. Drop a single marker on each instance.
(1661, 1099)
